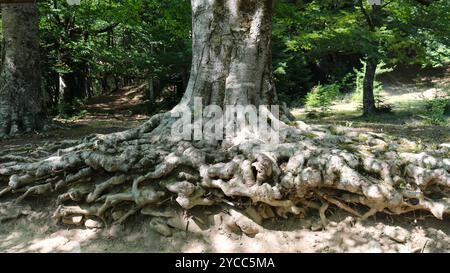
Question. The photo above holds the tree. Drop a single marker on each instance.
(149, 170)
(382, 19)
(373, 22)
(99, 47)
(21, 106)
(324, 41)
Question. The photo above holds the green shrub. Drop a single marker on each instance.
(71, 110)
(322, 95)
(348, 82)
(436, 111)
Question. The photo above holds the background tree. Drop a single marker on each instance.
(324, 41)
(100, 47)
(21, 106)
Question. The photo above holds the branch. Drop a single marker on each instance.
(424, 2)
(366, 15)
(388, 3)
(105, 29)
(56, 16)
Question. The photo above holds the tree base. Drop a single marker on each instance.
(111, 177)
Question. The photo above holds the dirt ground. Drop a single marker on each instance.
(34, 230)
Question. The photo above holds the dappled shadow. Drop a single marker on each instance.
(35, 231)
(406, 121)
(407, 233)
(413, 232)
(411, 74)
(406, 90)
(433, 134)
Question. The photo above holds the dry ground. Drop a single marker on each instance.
(412, 233)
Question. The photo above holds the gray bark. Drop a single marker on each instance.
(231, 53)
(368, 97)
(373, 20)
(20, 94)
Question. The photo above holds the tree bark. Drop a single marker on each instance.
(21, 107)
(373, 19)
(231, 62)
(368, 97)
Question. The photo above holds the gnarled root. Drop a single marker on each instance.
(114, 176)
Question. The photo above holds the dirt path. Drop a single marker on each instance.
(106, 114)
(126, 104)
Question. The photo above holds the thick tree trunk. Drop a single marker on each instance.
(368, 97)
(231, 62)
(20, 94)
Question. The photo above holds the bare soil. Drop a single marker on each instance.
(35, 232)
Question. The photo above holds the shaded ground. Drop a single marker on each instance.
(106, 114)
(34, 231)
(126, 104)
(413, 233)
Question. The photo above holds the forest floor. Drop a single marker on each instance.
(34, 231)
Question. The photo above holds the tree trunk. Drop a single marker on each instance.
(151, 91)
(74, 86)
(368, 97)
(21, 107)
(104, 84)
(232, 58)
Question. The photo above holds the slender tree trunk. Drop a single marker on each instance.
(116, 84)
(151, 91)
(373, 19)
(75, 84)
(20, 83)
(180, 88)
(368, 97)
(104, 84)
(232, 58)
(89, 91)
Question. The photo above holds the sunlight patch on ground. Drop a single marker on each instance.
(60, 241)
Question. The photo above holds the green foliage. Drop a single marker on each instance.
(108, 42)
(316, 44)
(323, 41)
(73, 110)
(348, 82)
(322, 95)
(421, 32)
(437, 111)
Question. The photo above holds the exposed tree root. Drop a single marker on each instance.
(338, 204)
(112, 177)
